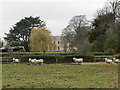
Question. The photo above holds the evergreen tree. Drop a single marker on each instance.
(19, 34)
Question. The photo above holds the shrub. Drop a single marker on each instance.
(51, 59)
(111, 51)
(54, 57)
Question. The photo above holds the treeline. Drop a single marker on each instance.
(30, 32)
(99, 35)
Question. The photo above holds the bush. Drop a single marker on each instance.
(51, 59)
(6, 59)
(54, 57)
(100, 53)
(111, 51)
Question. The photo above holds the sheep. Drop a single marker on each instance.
(39, 61)
(116, 60)
(31, 60)
(108, 60)
(15, 60)
(80, 60)
(36, 61)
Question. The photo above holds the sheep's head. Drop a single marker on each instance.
(105, 59)
(29, 59)
(74, 58)
(114, 58)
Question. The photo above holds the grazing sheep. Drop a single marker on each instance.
(80, 60)
(15, 60)
(108, 60)
(36, 61)
(116, 60)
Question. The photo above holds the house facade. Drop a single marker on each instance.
(58, 43)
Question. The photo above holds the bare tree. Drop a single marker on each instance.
(115, 6)
(1, 43)
(76, 32)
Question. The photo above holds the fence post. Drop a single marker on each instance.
(56, 60)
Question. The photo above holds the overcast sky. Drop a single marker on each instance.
(56, 13)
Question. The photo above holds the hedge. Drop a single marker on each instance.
(49, 59)
(5, 54)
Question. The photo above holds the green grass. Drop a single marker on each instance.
(35, 52)
(60, 76)
(58, 52)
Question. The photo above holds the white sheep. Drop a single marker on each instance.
(108, 60)
(31, 61)
(15, 60)
(36, 61)
(116, 60)
(80, 60)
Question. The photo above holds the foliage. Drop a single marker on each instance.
(75, 35)
(111, 51)
(67, 39)
(81, 38)
(1, 43)
(55, 54)
(98, 44)
(102, 25)
(20, 32)
(105, 32)
(50, 58)
(111, 44)
(40, 39)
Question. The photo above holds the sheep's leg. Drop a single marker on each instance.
(36, 64)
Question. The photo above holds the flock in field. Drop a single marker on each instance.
(80, 60)
(76, 60)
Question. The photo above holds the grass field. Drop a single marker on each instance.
(60, 76)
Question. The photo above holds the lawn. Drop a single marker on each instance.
(60, 76)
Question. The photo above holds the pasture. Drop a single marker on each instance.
(60, 76)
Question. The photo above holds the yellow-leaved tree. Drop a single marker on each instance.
(40, 40)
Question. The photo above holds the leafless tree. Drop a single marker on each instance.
(75, 33)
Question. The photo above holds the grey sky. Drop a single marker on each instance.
(57, 14)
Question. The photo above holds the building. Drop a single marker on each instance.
(59, 45)
(57, 42)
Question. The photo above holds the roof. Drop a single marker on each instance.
(56, 37)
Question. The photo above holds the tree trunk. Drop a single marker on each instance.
(26, 47)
